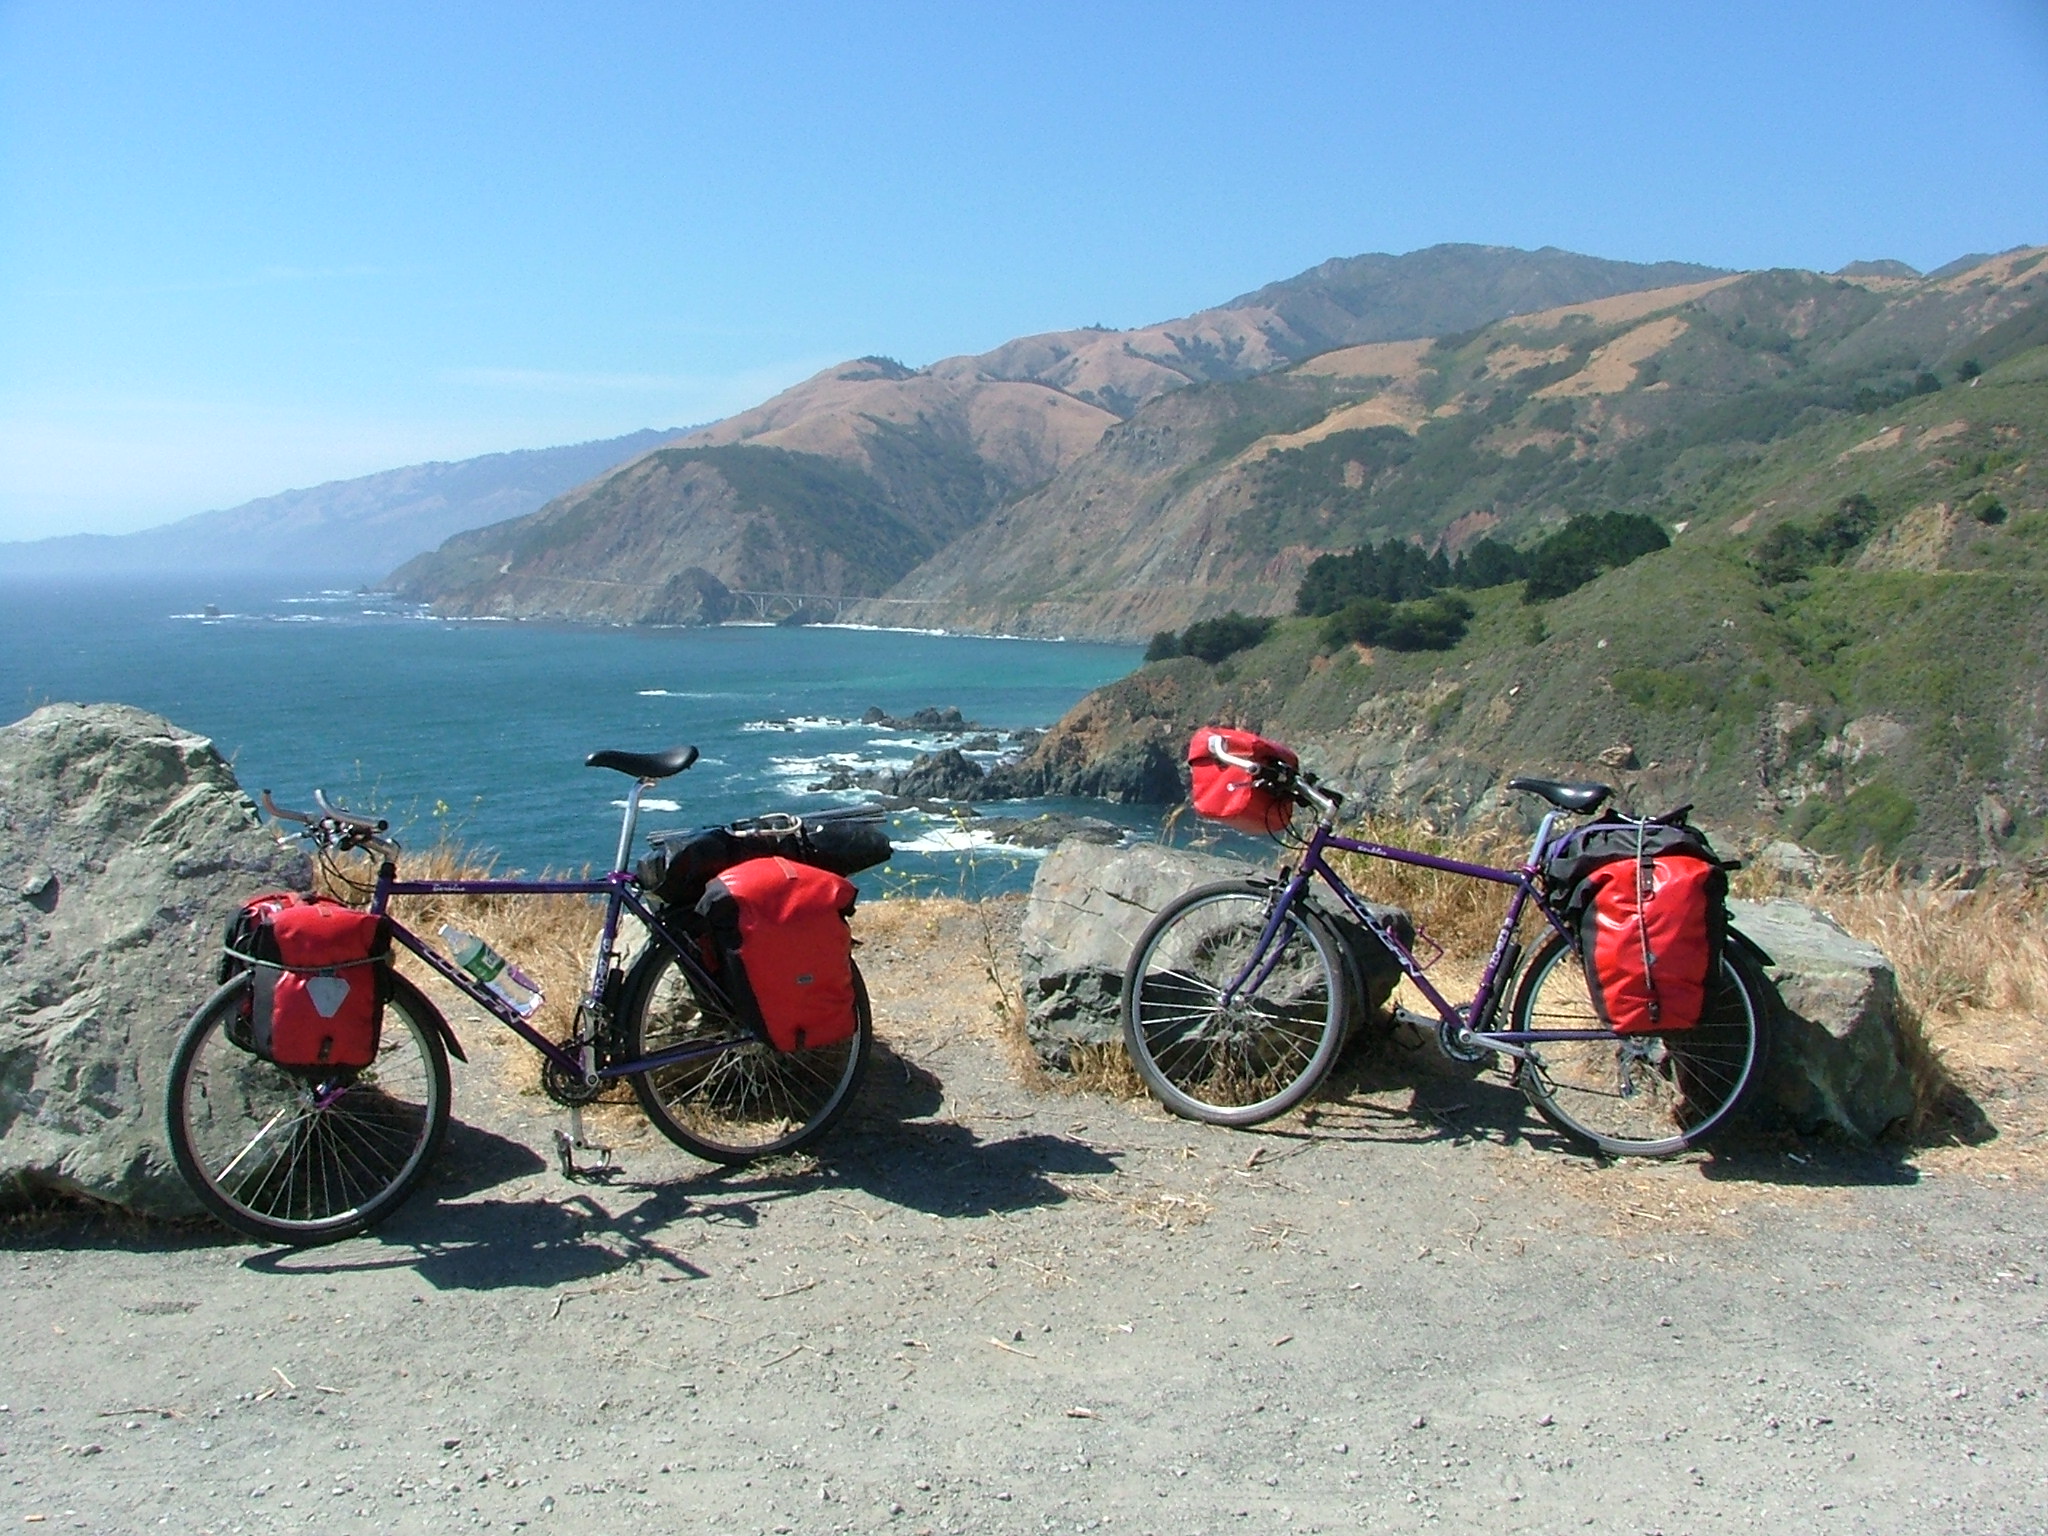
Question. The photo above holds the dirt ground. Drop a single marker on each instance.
(987, 1306)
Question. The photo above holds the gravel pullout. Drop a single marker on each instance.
(986, 1307)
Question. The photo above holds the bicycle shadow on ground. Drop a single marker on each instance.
(471, 1160)
(511, 1244)
(890, 1148)
(1393, 1091)
(946, 1169)
(1753, 1156)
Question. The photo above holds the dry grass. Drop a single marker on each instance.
(1105, 1069)
(1972, 967)
(551, 938)
(1953, 949)
(1460, 914)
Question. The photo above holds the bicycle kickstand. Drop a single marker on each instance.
(568, 1143)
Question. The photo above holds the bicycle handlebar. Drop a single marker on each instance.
(333, 827)
(1303, 786)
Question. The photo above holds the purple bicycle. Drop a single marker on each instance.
(310, 1155)
(1239, 995)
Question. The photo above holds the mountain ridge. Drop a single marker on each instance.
(352, 528)
(1025, 413)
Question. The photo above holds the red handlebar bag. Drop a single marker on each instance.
(1226, 793)
(786, 952)
(316, 998)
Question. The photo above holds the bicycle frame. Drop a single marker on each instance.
(620, 891)
(1500, 964)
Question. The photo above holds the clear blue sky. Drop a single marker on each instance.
(251, 246)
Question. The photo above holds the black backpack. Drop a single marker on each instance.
(683, 863)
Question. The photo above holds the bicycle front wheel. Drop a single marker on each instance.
(1263, 1050)
(1644, 1095)
(288, 1155)
(746, 1100)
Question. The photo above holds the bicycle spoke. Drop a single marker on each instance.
(284, 1159)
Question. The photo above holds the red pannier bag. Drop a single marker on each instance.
(786, 953)
(1226, 793)
(316, 998)
(1649, 901)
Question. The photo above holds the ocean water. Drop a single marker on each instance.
(478, 730)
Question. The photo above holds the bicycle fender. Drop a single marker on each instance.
(441, 1025)
(1749, 946)
(447, 1034)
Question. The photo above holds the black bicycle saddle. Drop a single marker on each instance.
(1566, 795)
(644, 765)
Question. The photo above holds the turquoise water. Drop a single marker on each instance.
(481, 728)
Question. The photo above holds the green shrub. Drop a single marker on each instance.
(1395, 571)
(1587, 546)
(1790, 550)
(1426, 624)
(1876, 818)
(1658, 689)
(1164, 647)
(1211, 640)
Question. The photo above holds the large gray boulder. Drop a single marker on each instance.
(1836, 1062)
(124, 844)
(1088, 906)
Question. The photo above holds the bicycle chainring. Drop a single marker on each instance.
(568, 1089)
(1461, 1049)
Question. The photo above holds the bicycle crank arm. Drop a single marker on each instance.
(1456, 1041)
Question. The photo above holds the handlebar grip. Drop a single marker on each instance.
(279, 813)
(360, 823)
(1216, 750)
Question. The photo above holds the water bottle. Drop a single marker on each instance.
(509, 984)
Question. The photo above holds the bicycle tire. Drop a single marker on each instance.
(278, 1153)
(1270, 1049)
(1641, 1095)
(749, 1101)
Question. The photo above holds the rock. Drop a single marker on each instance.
(692, 596)
(125, 842)
(1836, 1061)
(946, 775)
(1995, 821)
(1051, 829)
(1789, 861)
(1147, 771)
(1088, 906)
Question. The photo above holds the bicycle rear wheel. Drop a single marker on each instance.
(1264, 1051)
(288, 1155)
(1639, 1095)
(747, 1100)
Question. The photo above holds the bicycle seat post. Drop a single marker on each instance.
(630, 823)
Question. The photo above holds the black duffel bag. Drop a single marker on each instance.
(683, 863)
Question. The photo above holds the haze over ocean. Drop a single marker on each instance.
(384, 707)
